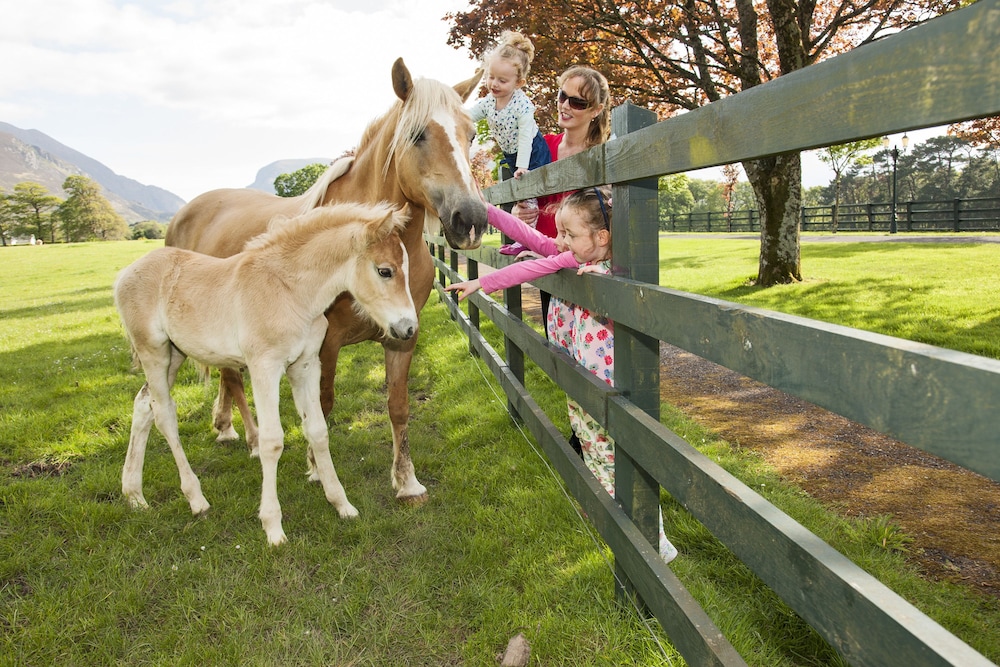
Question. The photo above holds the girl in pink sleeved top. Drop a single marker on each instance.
(583, 242)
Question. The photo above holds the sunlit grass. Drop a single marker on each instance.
(498, 548)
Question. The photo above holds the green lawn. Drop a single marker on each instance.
(498, 549)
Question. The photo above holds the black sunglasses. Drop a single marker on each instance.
(577, 103)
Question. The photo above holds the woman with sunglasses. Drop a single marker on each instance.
(584, 114)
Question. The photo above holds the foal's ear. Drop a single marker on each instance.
(402, 83)
(465, 88)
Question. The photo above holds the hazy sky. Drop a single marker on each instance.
(194, 95)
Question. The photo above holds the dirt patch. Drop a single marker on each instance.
(952, 514)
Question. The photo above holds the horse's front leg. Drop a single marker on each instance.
(265, 378)
(397, 369)
(231, 391)
(303, 375)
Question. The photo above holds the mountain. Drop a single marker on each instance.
(266, 175)
(30, 155)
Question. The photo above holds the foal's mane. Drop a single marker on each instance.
(282, 230)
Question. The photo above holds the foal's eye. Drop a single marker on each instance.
(420, 136)
(384, 272)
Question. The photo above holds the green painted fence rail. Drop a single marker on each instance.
(938, 400)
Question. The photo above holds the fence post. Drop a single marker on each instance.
(957, 214)
(635, 254)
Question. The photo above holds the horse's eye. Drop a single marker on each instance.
(384, 272)
(420, 137)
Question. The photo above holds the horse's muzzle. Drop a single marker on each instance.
(464, 224)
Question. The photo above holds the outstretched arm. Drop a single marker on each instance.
(516, 229)
(524, 272)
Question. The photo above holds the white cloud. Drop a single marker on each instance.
(194, 95)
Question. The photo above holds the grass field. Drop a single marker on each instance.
(498, 549)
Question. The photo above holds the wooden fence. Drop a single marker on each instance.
(938, 400)
(981, 214)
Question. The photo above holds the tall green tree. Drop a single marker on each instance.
(86, 215)
(297, 182)
(30, 207)
(839, 158)
(672, 56)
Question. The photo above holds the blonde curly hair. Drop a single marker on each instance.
(514, 48)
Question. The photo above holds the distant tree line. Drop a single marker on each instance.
(941, 168)
(84, 215)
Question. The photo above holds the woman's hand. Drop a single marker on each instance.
(465, 290)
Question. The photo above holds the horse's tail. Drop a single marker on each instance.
(313, 197)
(204, 373)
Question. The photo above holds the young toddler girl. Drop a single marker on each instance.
(510, 114)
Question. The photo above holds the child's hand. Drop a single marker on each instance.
(519, 172)
(528, 216)
(589, 268)
(465, 290)
(529, 254)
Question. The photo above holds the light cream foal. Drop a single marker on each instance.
(263, 308)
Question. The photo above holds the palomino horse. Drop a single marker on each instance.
(417, 153)
(264, 309)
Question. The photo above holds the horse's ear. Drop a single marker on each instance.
(465, 88)
(402, 83)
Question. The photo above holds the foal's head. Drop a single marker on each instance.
(380, 283)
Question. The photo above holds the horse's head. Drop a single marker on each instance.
(381, 286)
(430, 146)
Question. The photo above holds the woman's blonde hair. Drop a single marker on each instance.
(515, 48)
(594, 88)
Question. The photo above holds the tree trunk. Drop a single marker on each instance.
(777, 183)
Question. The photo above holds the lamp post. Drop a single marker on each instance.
(895, 157)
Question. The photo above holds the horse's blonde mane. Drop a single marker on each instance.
(282, 229)
(313, 197)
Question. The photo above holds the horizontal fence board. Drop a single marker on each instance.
(941, 72)
(866, 621)
(691, 630)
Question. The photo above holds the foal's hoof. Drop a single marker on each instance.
(200, 507)
(137, 503)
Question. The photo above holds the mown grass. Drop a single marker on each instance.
(498, 549)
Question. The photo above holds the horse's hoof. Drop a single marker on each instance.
(413, 500)
(278, 539)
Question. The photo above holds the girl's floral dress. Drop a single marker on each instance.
(590, 340)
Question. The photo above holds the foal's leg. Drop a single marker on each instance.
(265, 378)
(160, 366)
(397, 369)
(304, 375)
(142, 422)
